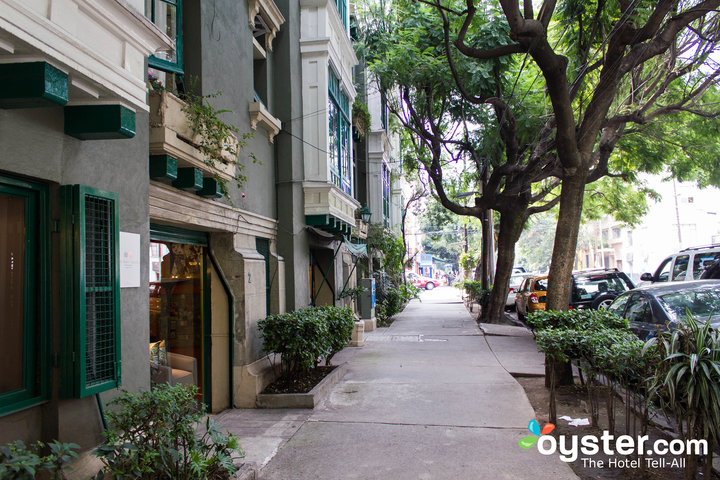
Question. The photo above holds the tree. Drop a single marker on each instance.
(448, 144)
(541, 100)
(607, 66)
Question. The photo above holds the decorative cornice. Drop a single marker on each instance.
(270, 13)
(260, 115)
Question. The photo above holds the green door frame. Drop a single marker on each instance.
(163, 233)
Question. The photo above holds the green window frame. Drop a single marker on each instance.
(36, 300)
(90, 291)
(342, 10)
(161, 63)
(386, 194)
(339, 135)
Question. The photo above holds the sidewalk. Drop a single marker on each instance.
(426, 398)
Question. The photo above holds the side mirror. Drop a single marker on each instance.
(646, 277)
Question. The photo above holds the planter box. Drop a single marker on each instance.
(170, 134)
(302, 400)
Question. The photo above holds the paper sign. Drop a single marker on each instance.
(129, 260)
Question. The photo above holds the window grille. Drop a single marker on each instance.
(90, 291)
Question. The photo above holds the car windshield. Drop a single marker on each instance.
(699, 302)
(587, 287)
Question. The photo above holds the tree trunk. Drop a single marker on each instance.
(566, 235)
(562, 372)
(511, 224)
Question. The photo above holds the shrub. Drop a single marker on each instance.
(477, 293)
(152, 436)
(299, 336)
(686, 382)
(306, 336)
(340, 323)
(18, 461)
(575, 319)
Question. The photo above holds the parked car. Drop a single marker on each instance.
(687, 264)
(531, 296)
(422, 282)
(516, 281)
(654, 308)
(597, 288)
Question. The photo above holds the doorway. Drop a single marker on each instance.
(179, 310)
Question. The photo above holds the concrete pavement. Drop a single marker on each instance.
(426, 398)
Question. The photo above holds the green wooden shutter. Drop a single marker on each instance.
(91, 295)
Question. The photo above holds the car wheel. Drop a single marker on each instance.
(603, 301)
(429, 286)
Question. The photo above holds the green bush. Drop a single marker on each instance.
(477, 293)
(306, 336)
(394, 301)
(18, 461)
(575, 319)
(340, 324)
(687, 381)
(152, 435)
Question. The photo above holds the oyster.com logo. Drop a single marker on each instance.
(534, 427)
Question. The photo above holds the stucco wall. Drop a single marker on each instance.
(32, 143)
(218, 52)
(292, 237)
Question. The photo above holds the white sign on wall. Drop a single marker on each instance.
(129, 260)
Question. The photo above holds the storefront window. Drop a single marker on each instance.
(176, 313)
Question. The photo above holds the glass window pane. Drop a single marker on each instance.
(12, 291)
(680, 267)
(164, 15)
(176, 312)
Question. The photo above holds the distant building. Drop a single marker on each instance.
(686, 216)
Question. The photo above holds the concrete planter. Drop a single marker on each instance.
(302, 400)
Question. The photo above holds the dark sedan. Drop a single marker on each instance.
(653, 307)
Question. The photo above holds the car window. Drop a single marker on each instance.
(703, 260)
(698, 302)
(680, 268)
(638, 309)
(541, 285)
(588, 287)
(618, 305)
(662, 274)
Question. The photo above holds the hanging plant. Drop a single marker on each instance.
(361, 117)
(216, 138)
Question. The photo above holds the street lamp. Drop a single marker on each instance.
(365, 214)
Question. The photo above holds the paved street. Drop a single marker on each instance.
(424, 399)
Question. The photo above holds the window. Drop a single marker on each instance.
(383, 111)
(638, 310)
(386, 194)
(167, 15)
(618, 305)
(339, 135)
(90, 291)
(23, 275)
(680, 267)
(662, 274)
(701, 261)
(342, 10)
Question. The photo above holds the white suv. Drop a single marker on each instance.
(688, 264)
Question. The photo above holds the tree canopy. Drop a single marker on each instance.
(540, 104)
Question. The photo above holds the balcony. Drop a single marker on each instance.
(171, 134)
(329, 208)
(101, 45)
